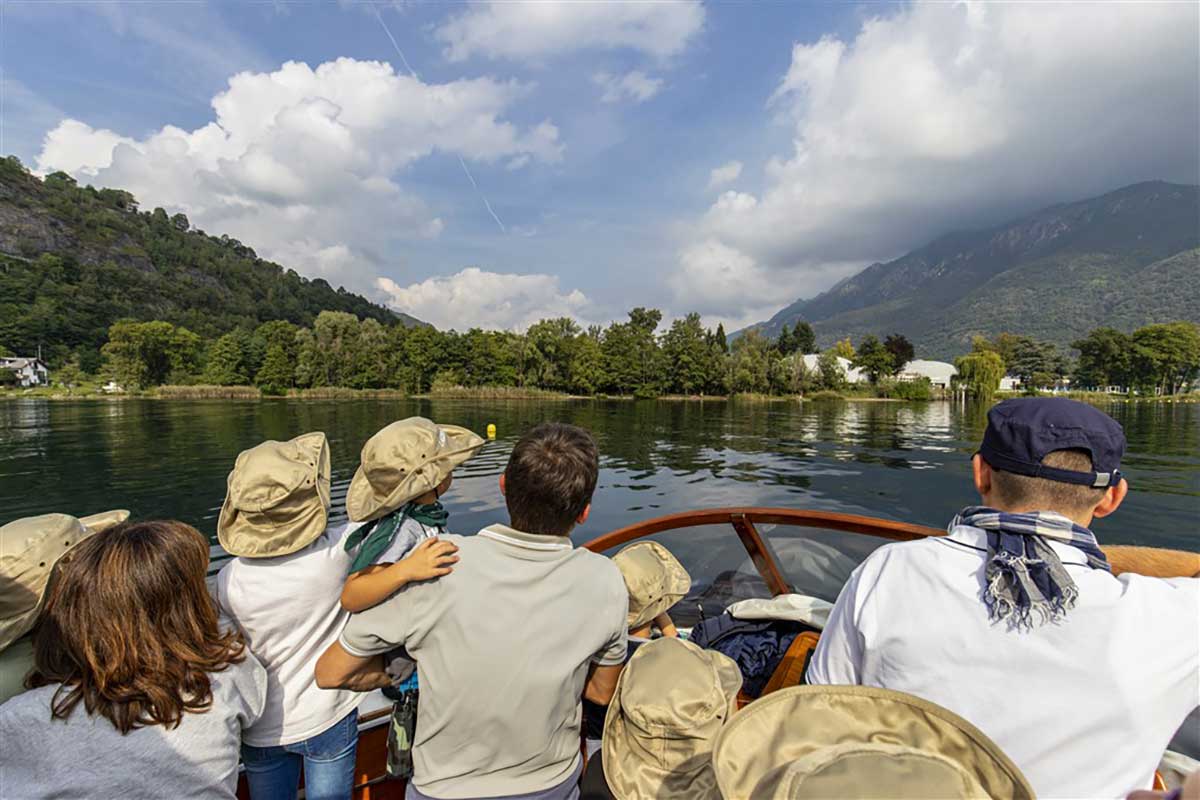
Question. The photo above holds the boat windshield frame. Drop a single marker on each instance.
(744, 520)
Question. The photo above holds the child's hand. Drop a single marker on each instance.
(666, 625)
(432, 558)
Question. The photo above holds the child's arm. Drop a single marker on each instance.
(666, 625)
(372, 585)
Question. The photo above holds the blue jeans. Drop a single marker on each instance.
(273, 773)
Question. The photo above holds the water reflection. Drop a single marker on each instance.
(170, 458)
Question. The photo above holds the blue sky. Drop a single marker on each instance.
(594, 130)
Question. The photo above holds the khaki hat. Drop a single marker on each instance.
(278, 498)
(671, 701)
(29, 549)
(859, 742)
(404, 461)
(655, 580)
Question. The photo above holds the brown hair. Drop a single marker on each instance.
(1012, 490)
(550, 478)
(129, 629)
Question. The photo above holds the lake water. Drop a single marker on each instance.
(900, 461)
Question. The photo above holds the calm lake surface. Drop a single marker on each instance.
(908, 462)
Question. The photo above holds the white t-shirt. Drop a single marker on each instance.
(1084, 707)
(289, 609)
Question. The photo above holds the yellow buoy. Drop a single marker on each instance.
(491, 429)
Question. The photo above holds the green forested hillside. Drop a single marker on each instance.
(75, 259)
(1126, 259)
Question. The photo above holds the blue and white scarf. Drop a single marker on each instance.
(1024, 575)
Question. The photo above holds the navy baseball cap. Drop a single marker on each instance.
(1021, 432)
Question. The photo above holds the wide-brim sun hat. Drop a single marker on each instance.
(403, 461)
(278, 498)
(858, 742)
(29, 549)
(654, 579)
(670, 702)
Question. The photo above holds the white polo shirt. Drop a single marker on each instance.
(1084, 707)
(503, 645)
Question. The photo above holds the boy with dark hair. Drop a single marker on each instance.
(508, 643)
(1016, 621)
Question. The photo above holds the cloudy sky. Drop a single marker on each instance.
(492, 163)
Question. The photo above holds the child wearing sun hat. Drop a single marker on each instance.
(396, 492)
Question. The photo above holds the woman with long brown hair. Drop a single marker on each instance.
(136, 691)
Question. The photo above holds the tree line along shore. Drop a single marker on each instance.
(341, 355)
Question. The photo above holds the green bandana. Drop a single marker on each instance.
(377, 535)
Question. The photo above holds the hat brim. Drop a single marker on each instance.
(629, 776)
(790, 724)
(364, 504)
(239, 535)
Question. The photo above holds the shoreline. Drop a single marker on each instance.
(253, 393)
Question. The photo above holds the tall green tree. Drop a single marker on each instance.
(686, 354)
(750, 363)
(587, 363)
(1105, 359)
(226, 361)
(901, 349)
(1166, 357)
(803, 338)
(979, 373)
(831, 376)
(785, 344)
(142, 354)
(277, 373)
(873, 358)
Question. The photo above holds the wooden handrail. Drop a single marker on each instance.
(761, 552)
(831, 520)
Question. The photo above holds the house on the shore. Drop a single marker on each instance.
(939, 373)
(851, 374)
(29, 371)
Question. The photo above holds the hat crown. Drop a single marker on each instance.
(673, 688)
(654, 579)
(269, 473)
(400, 449)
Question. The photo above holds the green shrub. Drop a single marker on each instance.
(824, 395)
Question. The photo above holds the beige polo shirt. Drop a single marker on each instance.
(503, 645)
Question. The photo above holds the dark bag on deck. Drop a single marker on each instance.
(756, 645)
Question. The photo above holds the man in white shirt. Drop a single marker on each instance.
(1015, 621)
(508, 643)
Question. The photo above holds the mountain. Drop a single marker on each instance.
(75, 259)
(1125, 259)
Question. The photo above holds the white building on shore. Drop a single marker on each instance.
(29, 371)
(940, 373)
(852, 375)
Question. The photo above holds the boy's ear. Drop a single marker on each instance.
(501, 483)
(981, 471)
(583, 515)
(1113, 497)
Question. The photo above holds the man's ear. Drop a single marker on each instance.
(981, 471)
(1113, 497)
(502, 483)
(583, 515)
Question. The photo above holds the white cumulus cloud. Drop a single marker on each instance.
(303, 164)
(532, 31)
(636, 86)
(726, 173)
(476, 298)
(941, 116)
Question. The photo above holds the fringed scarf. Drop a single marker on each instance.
(1024, 576)
(376, 535)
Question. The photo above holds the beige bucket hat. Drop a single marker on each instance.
(29, 549)
(278, 498)
(403, 461)
(671, 701)
(858, 742)
(655, 580)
